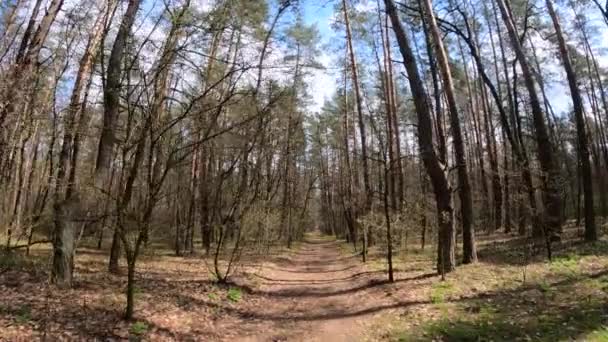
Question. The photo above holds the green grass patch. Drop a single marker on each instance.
(139, 328)
(544, 287)
(566, 265)
(600, 335)
(16, 261)
(488, 302)
(23, 314)
(234, 294)
(504, 321)
(440, 291)
(378, 265)
(137, 292)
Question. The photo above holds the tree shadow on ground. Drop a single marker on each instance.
(513, 311)
(309, 290)
(93, 308)
(499, 316)
(530, 313)
(79, 321)
(566, 324)
(278, 281)
(309, 271)
(519, 251)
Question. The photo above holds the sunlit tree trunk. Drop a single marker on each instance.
(551, 176)
(63, 243)
(359, 104)
(581, 131)
(435, 169)
(464, 187)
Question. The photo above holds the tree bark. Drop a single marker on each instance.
(577, 101)
(68, 155)
(359, 103)
(551, 195)
(434, 167)
(464, 187)
(111, 96)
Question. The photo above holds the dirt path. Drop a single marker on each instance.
(311, 293)
(315, 294)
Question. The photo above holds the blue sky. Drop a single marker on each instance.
(320, 13)
(322, 82)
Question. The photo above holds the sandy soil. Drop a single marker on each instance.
(316, 294)
(312, 293)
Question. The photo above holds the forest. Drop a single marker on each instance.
(303, 170)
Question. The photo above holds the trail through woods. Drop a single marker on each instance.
(160, 159)
(317, 293)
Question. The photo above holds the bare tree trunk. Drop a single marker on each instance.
(464, 187)
(287, 200)
(577, 101)
(349, 201)
(115, 251)
(64, 229)
(387, 217)
(25, 39)
(398, 167)
(112, 95)
(359, 103)
(492, 153)
(435, 169)
(551, 195)
(594, 73)
(23, 74)
(206, 170)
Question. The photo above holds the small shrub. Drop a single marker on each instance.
(139, 328)
(7, 261)
(16, 261)
(212, 296)
(23, 314)
(12, 261)
(234, 294)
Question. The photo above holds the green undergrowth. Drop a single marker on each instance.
(570, 311)
(598, 335)
(138, 328)
(496, 324)
(234, 294)
(559, 300)
(440, 292)
(17, 261)
(346, 248)
(513, 321)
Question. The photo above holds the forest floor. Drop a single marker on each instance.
(319, 291)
